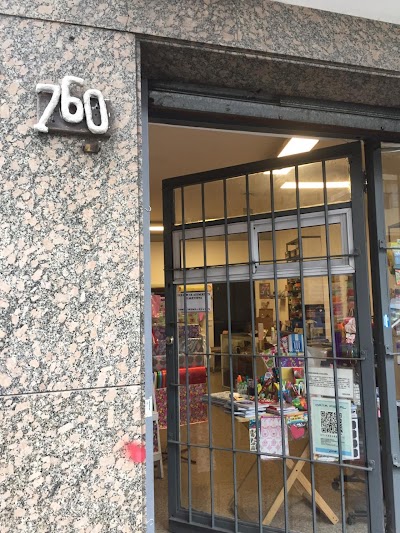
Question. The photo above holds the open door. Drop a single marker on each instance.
(269, 344)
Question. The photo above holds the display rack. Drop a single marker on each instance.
(294, 301)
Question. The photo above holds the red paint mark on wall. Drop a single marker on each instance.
(135, 452)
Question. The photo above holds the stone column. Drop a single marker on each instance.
(71, 342)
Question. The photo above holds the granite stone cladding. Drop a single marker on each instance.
(266, 26)
(70, 287)
(63, 465)
(71, 272)
(71, 346)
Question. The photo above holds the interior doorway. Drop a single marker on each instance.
(263, 276)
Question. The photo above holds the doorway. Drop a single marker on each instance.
(261, 230)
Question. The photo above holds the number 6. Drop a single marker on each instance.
(67, 100)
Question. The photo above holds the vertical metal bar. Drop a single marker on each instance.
(228, 298)
(383, 347)
(185, 326)
(208, 351)
(303, 313)
(334, 354)
(254, 353)
(147, 310)
(368, 388)
(278, 340)
(174, 466)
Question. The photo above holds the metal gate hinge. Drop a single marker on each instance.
(365, 181)
(148, 407)
(169, 341)
(371, 463)
(395, 460)
(388, 353)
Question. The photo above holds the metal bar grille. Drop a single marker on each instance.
(228, 304)
(185, 326)
(208, 355)
(278, 340)
(233, 452)
(335, 374)
(254, 355)
(306, 361)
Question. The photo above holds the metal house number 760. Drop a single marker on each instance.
(72, 108)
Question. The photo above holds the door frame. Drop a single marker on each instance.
(243, 116)
(383, 335)
(181, 519)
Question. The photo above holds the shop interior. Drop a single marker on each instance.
(217, 318)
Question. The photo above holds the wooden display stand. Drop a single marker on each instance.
(296, 474)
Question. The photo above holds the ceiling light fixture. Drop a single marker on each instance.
(296, 145)
(156, 229)
(316, 185)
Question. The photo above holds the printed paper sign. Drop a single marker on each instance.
(195, 301)
(270, 433)
(324, 424)
(321, 382)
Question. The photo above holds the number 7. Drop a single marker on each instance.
(56, 90)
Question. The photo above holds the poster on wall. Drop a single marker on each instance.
(195, 301)
(321, 382)
(265, 290)
(324, 424)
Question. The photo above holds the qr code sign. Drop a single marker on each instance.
(329, 424)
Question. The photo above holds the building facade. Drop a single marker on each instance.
(73, 225)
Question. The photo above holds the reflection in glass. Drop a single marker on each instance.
(311, 191)
(260, 193)
(238, 250)
(313, 243)
(284, 189)
(236, 197)
(338, 182)
(178, 205)
(192, 198)
(213, 200)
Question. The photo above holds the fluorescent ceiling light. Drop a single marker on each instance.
(316, 185)
(156, 229)
(296, 145)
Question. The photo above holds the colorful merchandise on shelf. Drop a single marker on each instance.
(197, 408)
(160, 361)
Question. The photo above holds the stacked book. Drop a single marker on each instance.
(245, 408)
(287, 409)
(220, 398)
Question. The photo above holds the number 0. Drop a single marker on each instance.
(103, 127)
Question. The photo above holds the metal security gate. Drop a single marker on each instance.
(267, 297)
